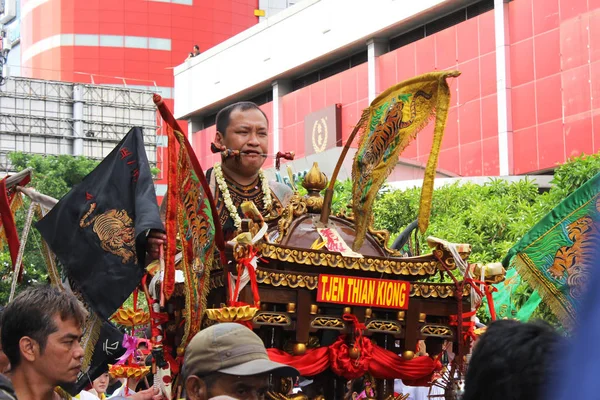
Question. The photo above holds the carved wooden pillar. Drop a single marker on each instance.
(303, 316)
(385, 387)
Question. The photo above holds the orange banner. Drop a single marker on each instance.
(366, 292)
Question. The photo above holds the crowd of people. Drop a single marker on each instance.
(41, 332)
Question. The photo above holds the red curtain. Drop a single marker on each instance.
(313, 362)
(381, 363)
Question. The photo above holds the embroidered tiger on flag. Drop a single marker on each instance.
(115, 231)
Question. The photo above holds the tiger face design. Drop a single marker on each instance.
(569, 260)
(115, 230)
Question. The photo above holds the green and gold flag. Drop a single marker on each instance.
(506, 299)
(388, 126)
(555, 256)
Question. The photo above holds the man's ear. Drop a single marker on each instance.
(195, 388)
(29, 348)
(219, 139)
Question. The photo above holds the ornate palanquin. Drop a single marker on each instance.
(325, 292)
(291, 319)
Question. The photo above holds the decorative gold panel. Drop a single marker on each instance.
(435, 290)
(419, 266)
(437, 331)
(310, 281)
(276, 278)
(384, 326)
(272, 318)
(327, 323)
(294, 209)
(216, 281)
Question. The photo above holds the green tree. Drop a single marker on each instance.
(53, 176)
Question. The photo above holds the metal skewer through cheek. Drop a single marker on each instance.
(227, 153)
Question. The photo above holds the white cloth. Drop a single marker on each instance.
(120, 392)
(416, 392)
(85, 395)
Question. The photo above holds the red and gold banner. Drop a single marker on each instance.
(366, 292)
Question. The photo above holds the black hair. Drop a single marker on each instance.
(196, 47)
(31, 314)
(224, 116)
(512, 360)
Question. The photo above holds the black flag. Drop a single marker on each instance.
(98, 230)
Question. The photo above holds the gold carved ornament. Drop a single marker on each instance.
(437, 331)
(327, 323)
(384, 326)
(417, 266)
(292, 280)
(272, 318)
(231, 314)
(294, 209)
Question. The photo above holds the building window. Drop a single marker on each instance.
(440, 24)
(330, 70)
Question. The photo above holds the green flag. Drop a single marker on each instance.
(555, 256)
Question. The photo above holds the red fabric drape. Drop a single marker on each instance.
(10, 230)
(381, 363)
(415, 372)
(343, 365)
(313, 362)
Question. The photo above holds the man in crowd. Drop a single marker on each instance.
(41, 334)
(512, 360)
(229, 360)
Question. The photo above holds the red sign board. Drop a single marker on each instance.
(366, 292)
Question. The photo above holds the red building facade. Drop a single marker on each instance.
(552, 50)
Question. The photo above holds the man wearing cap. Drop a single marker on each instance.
(229, 360)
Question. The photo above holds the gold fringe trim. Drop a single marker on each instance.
(93, 326)
(548, 292)
(441, 113)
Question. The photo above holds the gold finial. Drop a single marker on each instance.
(315, 180)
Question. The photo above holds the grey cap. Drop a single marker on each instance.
(231, 349)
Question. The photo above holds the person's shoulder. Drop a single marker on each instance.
(7, 391)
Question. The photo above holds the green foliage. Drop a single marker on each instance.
(491, 217)
(53, 176)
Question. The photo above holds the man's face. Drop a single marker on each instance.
(252, 387)
(60, 362)
(247, 132)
